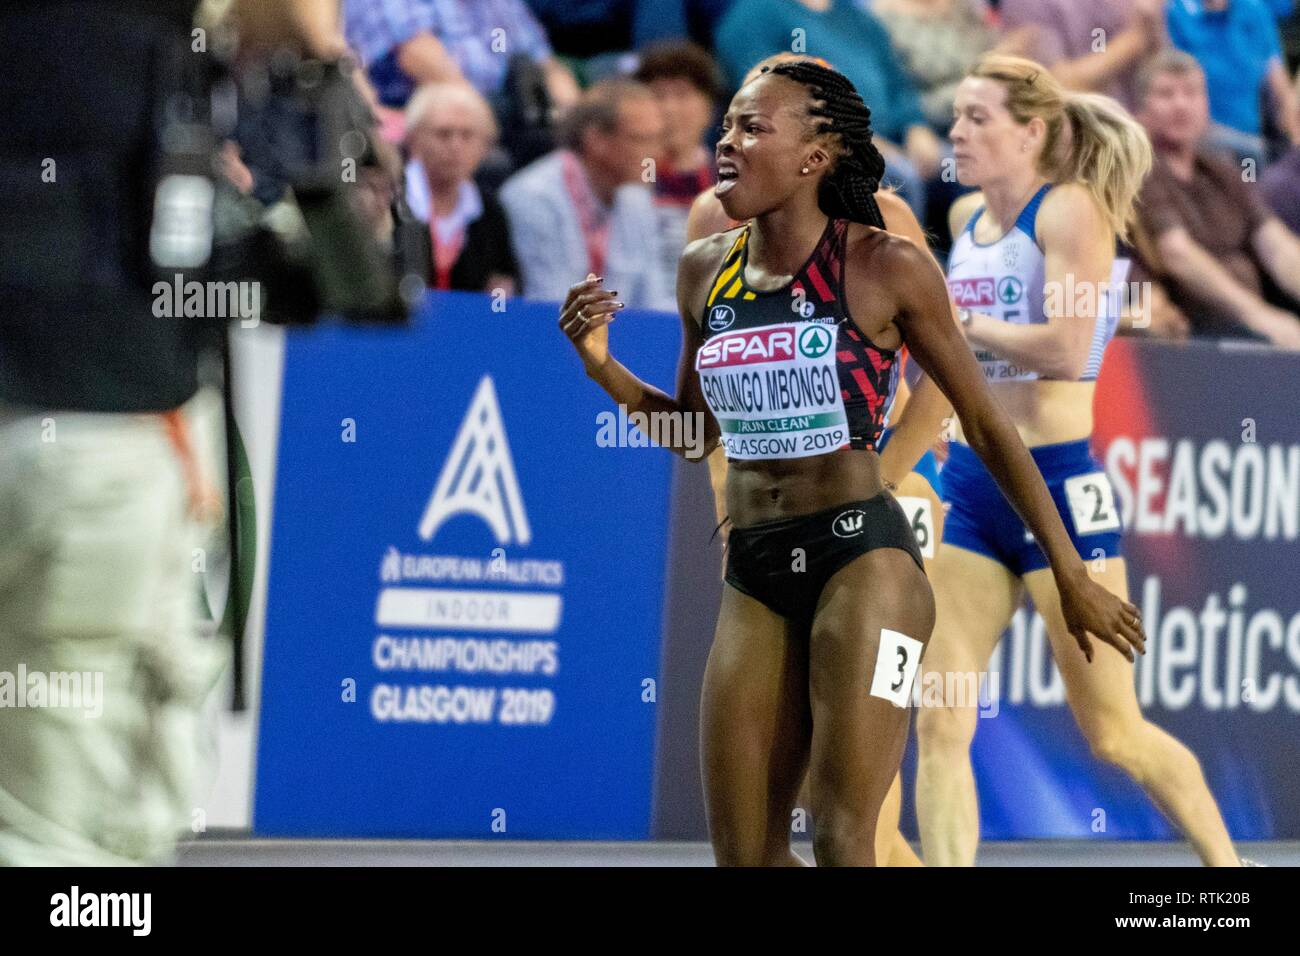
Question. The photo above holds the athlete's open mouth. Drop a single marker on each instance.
(727, 174)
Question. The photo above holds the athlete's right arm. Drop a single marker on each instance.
(591, 339)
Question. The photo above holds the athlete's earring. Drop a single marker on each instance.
(804, 170)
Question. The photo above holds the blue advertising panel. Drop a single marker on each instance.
(1202, 447)
(466, 579)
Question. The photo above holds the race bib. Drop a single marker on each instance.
(1092, 503)
(1000, 370)
(896, 661)
(920, 515)
(775, 390)
(1002, 297)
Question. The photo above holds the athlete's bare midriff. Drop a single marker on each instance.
(759, 491)
(1045, 412)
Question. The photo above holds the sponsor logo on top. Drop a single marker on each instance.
(721, 317)
(848, 524)
(977, 291)
(772, 343)
(814, 341)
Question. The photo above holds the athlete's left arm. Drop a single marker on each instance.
(1079, 250)
(922, 317)
(927, 410)
(1278, 249)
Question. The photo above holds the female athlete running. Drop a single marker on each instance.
(1059, 173)
(907, 466)
(791, 327)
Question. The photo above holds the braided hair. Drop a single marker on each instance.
(848, 190)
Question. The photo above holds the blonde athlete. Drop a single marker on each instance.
(1059, 173)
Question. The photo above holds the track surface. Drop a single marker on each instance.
(245, 851)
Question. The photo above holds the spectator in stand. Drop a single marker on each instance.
(1288, 21)
(847, 35)
(587, 28)
(1281, 180)
(1213, 238)
(449, 129)
(585, 207)
(939, 41)
(1095, 45)
(404, 43)
(1239, 48)
(1281, 186)
(698, 20)
(686, 84)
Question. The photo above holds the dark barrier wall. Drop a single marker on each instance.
(1202, 445)
(690, 612)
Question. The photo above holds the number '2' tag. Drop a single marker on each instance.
(1092, 503)
(896, 662)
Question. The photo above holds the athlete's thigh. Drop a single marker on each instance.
(924, 510)
(754, 722)
(1103, 690)
(974, 598)
(872, 624)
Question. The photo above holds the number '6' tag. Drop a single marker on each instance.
(920, 515)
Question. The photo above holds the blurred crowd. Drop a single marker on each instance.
(548, 139)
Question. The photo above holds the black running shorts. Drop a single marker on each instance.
(764, 562)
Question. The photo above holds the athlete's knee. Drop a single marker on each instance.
(1116, 744)
(946, 727)
(735, 844)
(844, 836)
(740, 850)
(733, 852)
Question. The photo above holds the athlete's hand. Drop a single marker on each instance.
(1090, 610)
(584, 318)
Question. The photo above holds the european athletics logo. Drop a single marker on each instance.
(479, 475)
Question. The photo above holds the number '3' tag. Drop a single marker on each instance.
(896, 661)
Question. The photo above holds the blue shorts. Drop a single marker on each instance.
(980, 519)
(927, 467)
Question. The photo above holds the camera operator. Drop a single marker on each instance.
(103, 483)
